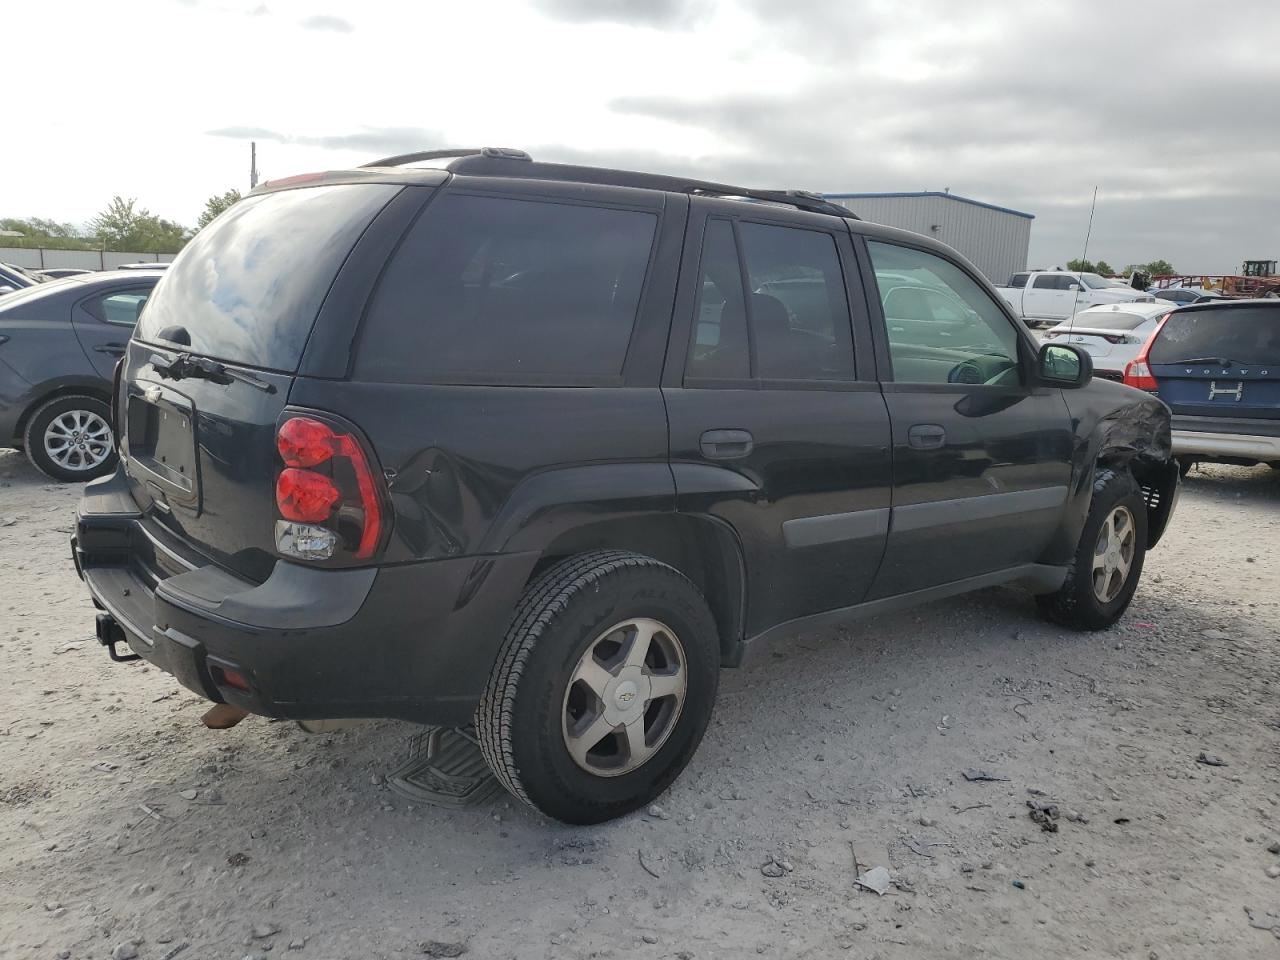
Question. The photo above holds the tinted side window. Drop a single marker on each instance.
(1049, 282)
(942, 326)
(507, 289)
(718, 348)
(797, 306)
(1018, 280)
(122, 307)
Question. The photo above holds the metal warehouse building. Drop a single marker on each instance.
(994, 238)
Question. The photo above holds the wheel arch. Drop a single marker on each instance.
(43, 393)
(702, 548)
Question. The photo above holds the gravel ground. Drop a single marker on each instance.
(128, 829)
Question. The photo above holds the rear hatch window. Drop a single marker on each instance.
(1220, 362)
(248, 287)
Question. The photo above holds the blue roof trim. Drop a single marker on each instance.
(926, 193)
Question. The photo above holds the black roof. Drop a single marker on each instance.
(516, 164)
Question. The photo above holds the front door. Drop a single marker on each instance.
(777, 425)
(981, 455)
(1051, 296)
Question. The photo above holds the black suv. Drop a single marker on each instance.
(542, 447)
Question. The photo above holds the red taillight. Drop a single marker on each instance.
(328, 481)
(305, 495)
(1137, 372)
(304, 442)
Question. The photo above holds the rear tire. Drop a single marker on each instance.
(70, 439)
(1108, 562)
(558, 716)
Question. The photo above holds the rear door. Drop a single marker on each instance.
(1220, 362)
(777, 424)
(981, 453)
(104, 322)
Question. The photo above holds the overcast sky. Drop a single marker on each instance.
(1171, 108)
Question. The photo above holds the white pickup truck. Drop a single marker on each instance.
(1048, 296)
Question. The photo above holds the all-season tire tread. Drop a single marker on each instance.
(543, 600)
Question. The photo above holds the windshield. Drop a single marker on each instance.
(1095, 282)
(1238, 334)
(248, 288)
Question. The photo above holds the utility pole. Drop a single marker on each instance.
(253, 164)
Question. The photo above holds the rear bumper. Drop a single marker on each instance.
(413, 641)
(1234, 446)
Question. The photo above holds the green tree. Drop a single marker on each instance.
(1156, 268)
(1080, 266)
(1103, 268)
(125, 226)
(215, 205)
(37, 232)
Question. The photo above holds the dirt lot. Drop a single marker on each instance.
(125, 826)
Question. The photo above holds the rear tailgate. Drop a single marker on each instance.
(199, 445)
(1220, 361)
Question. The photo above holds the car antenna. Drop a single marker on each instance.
(1084, 258)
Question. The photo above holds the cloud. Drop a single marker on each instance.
(380, 140)
(646, 13)
(1030, 112)
(322, 21)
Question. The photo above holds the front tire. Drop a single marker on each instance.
(1109, 558)
(603, 687)
(70, 439)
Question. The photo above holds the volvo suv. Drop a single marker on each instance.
(463, 438)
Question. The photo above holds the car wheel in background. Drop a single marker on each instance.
(1108, 561)
(603, 687)
(70, 438)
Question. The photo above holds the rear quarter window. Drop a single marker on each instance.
(489, 289)
(248, 287)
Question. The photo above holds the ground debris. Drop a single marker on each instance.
(982, 776)
(647, 869)
(1209, 760)
(1044, 813)
(877, 880)
(1263, 920)
(440, 948)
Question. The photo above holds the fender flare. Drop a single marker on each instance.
(552, 503)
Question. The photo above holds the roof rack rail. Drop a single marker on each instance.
(400, 159)
(800, 199)
(472, 162)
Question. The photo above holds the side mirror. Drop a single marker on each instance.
(1073, 286)
(1065, 366)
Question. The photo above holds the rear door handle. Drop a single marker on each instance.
(115, 349)
(726, 444)
(926, 436)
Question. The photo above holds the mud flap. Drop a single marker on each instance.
(445, 769)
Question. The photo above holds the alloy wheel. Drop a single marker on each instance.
(624, 697)
(78, 440)
(1113, 554)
